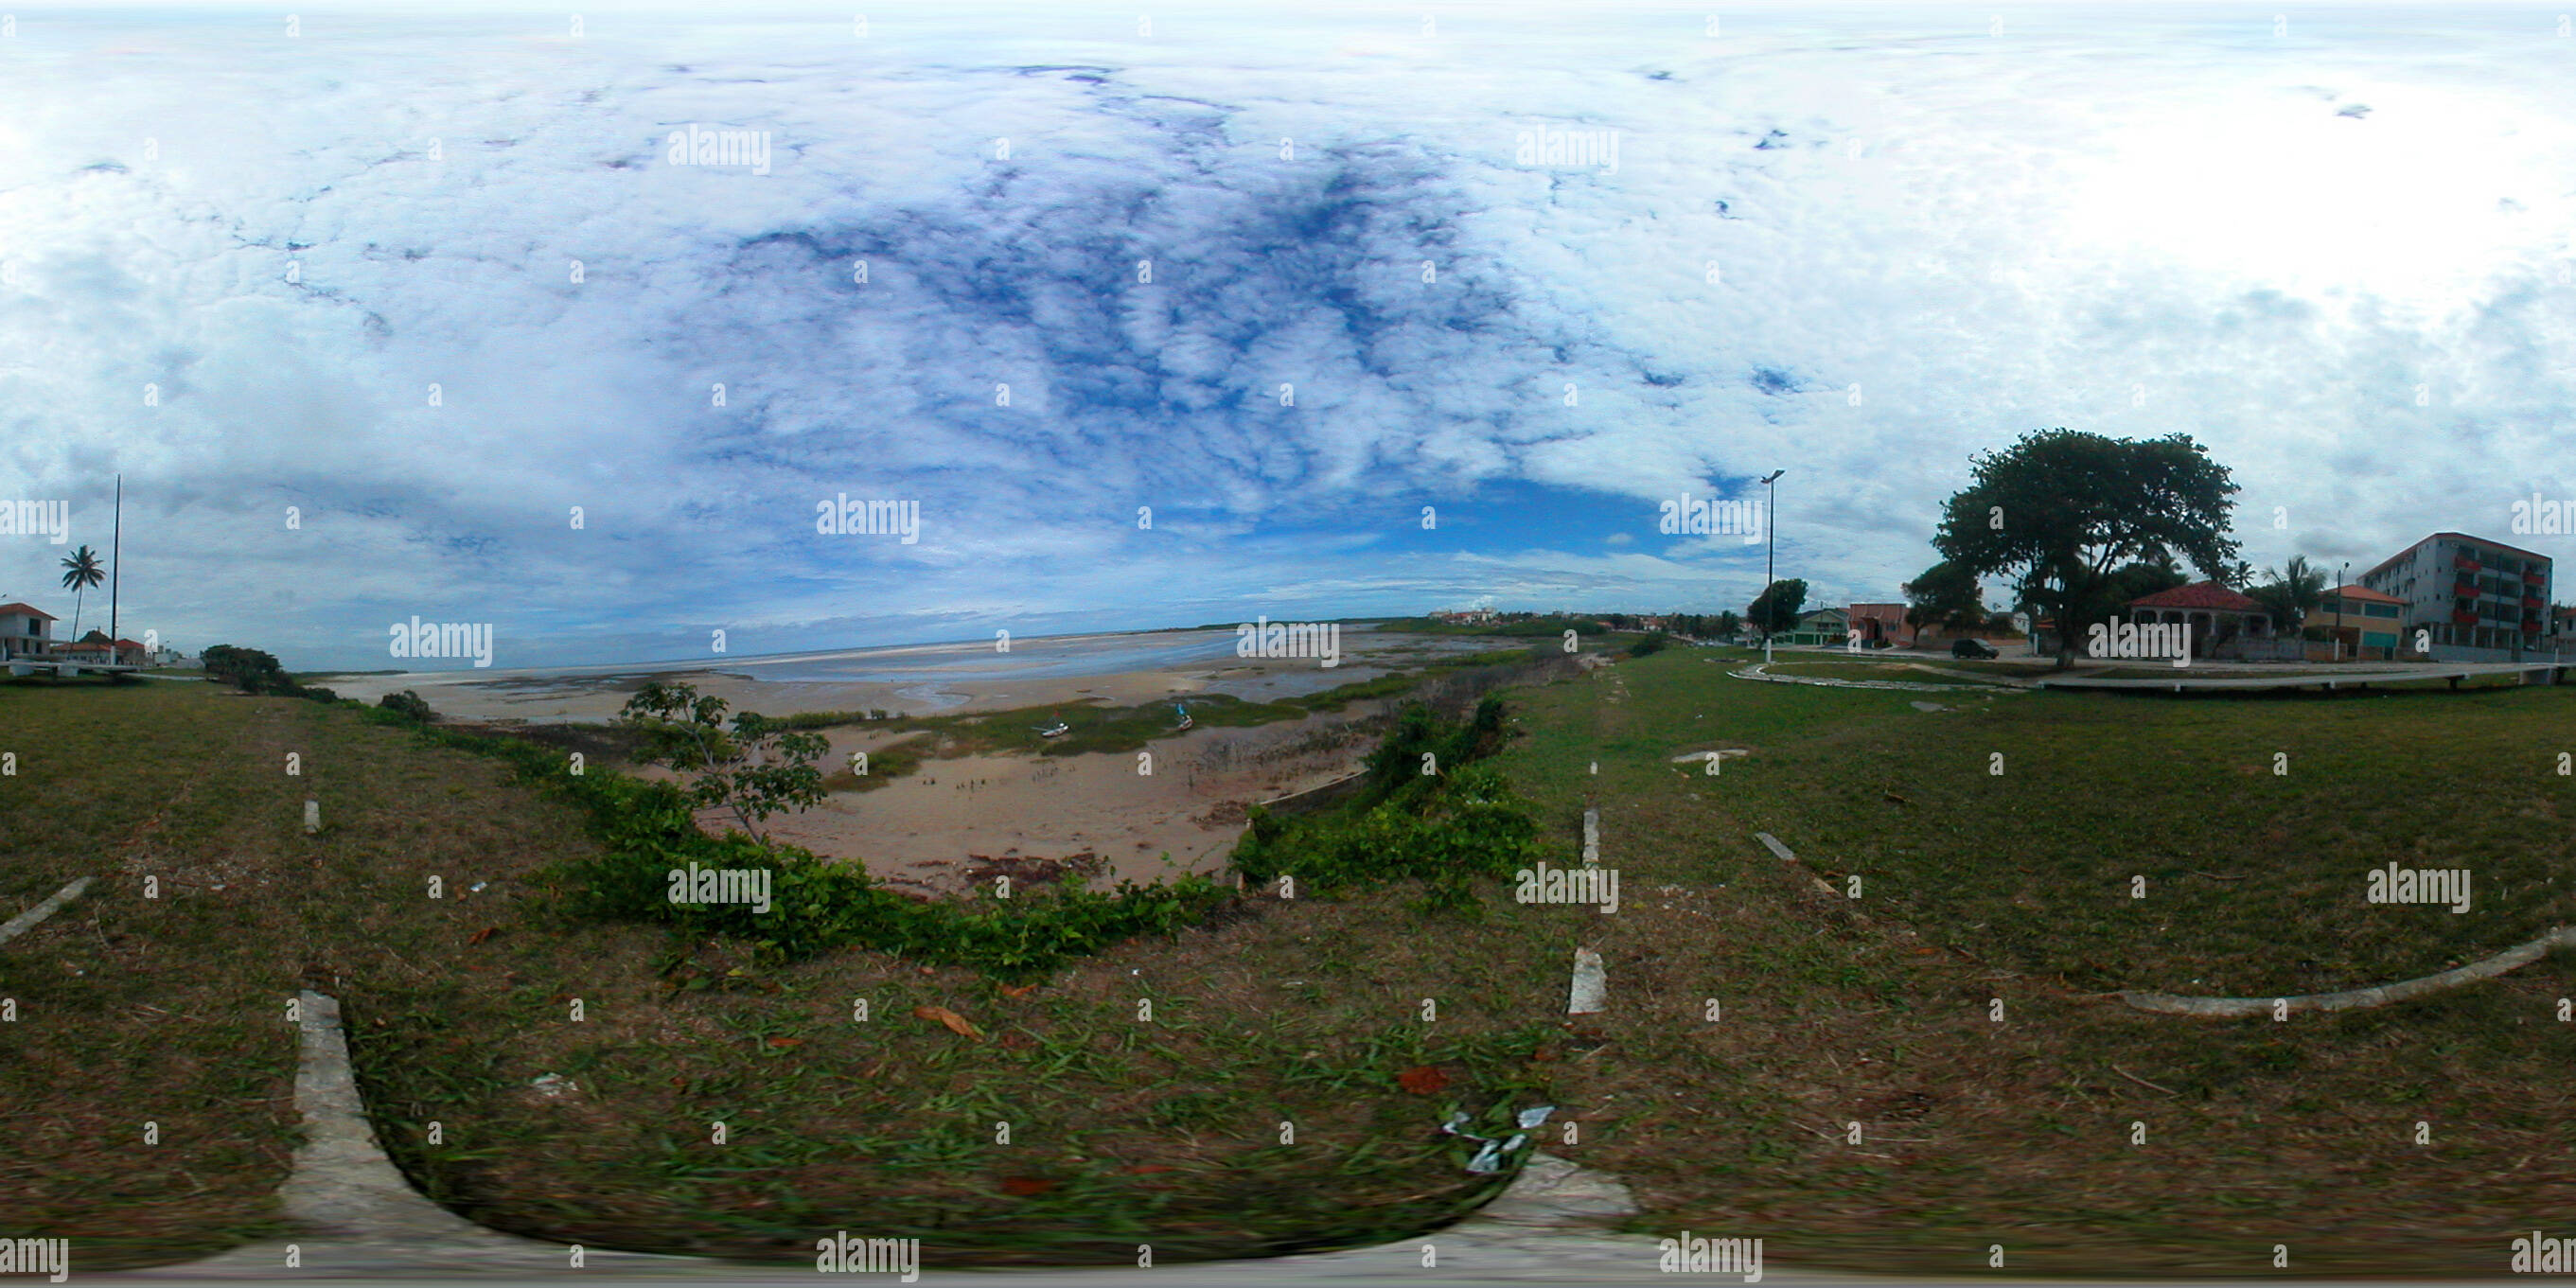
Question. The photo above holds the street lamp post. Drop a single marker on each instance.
(2342, 571)
(1770, 555)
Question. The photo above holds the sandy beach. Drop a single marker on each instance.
(969, 818)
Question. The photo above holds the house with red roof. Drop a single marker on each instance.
(2223, 623)
(96, 647)
(25, 631)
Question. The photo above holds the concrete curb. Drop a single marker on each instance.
(2511, 959)
(1757, 672)
(358, 1219)
(28, 920)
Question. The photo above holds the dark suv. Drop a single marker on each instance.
(1971, 648)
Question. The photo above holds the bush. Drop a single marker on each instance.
(409, 705)
(248, 670)
(1650, 645)
(1445, 828)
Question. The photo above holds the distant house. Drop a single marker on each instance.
(2368, 624)
(97, 647)
(1823, 626)
(1466, 617)
(1880, 622)
(25, 630)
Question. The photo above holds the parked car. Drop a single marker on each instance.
(1971, 648)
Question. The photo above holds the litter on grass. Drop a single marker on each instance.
(1491, 1158)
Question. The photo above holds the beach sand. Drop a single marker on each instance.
(973, 816)
(969, 818)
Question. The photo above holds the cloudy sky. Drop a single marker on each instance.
(1858, 245)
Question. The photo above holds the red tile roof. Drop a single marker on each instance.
(2364, 595)
(15, 609)
(2208, 595)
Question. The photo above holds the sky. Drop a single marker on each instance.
(1301, 287)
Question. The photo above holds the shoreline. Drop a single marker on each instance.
(1176, 806)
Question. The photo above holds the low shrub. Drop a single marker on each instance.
(1426, 812)
(409, 705)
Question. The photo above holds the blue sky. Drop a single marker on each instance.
(2338, 252)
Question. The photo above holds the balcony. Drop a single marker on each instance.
(2464, 563)
(2463, 617)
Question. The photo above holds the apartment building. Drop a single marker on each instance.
(2477, 600)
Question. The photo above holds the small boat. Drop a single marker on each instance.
(1185, 717)
(1056, 730)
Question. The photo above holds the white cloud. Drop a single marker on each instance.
(2133, 225)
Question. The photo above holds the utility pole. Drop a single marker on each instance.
(115, 544)
(2342, 571)
(1770, 553)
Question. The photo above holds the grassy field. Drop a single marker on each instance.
(1976, 886)
(1165, 1128)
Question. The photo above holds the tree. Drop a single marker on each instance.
(2141, 579)
(82, 571)
(1728, 624)
(248, 670)
(1776, 608)
(1944, 595)
(2294, 591)
(750, 767)
(2060, 509)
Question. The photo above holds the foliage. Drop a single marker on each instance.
(2294, 590)
(752, 767)
(248, 670)
(2060, 509)
(81, 570)
(1776, 609)
(409, 705)
(1653, 643)
(1425, 812)
(1944, 596)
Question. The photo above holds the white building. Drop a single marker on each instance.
(2477, 600)
(25, 630)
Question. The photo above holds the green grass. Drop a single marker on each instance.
(1976, 887)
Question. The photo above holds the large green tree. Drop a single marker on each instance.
(1944, 595)
(1776, 609)
(2060, 510)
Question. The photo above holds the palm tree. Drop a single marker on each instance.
(2296, 589)
(82, 572)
